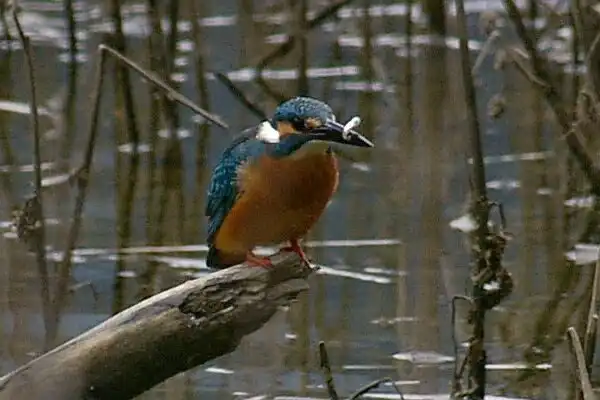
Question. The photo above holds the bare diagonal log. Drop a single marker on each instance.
(165, 334)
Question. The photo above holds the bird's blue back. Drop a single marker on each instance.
(223, 188)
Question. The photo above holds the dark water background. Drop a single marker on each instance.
(389, 241)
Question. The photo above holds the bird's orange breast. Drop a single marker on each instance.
(281, 199)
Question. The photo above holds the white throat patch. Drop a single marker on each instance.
(266, 133)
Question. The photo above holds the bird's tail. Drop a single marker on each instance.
(218, 260)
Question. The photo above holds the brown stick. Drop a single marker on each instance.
(40, 234)
(168, 333)
(326, 367)
(582, 374)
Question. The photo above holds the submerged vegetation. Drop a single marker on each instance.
(458, 257)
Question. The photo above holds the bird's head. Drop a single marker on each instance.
(303, 119)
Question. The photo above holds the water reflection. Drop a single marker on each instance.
(391, 262)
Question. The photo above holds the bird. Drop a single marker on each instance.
(274, 181)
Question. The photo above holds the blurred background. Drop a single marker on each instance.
(394, 243)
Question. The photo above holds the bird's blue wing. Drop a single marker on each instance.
(223, 189)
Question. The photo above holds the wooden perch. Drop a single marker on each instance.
(163, 335)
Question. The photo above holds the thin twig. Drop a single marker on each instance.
(172, 94)
(589, 339)
(487, 49)
(577, 351)
(517, 58)
(458, 370)
(592, 61)
(83, 178)
(326, 367)
(232, 87)
(373, 385)
(40, 240)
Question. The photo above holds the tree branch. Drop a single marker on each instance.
(168, 333)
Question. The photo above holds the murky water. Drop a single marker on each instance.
(392, 243)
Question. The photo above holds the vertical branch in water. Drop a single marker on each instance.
(172, 158)
(367, 97)
(125, 180)
(69, 106)
(574, 61)
(72, 30)
(8, 156)
(157, 106)
(436, 15)
(403, 167)
(11, 267)
(480, 209)
(302, 35)
(158, 100)
(3, 20)
(203, 139)
(37, 206)
(83, 178)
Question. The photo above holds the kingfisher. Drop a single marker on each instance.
(274, 181)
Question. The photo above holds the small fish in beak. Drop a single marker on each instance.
(333, 131)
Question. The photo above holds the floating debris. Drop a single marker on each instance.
(580, 202)
(393, 321)
(181, 133)
(583, 254)
(403, 383)
(333, 271)
(127, 274)
(197, 248)
(423, 357)
(57, 256)
(249, 74)
(55, 180)
(127, 148)
(367, 367)
(385, 271)
(45, 166)
(217, 370)
(503, 184)
(399, 40)
(360, 86)
(465, 224)
(518, 367)
(507, 158)
(17, 107)
(179, 262)
(363, 167)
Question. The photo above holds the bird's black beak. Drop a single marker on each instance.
(333, 131)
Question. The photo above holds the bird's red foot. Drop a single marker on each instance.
(295, 247)
(253, 259)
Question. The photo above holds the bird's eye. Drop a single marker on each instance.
(300, 125)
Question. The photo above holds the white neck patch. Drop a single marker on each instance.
(266, 133)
